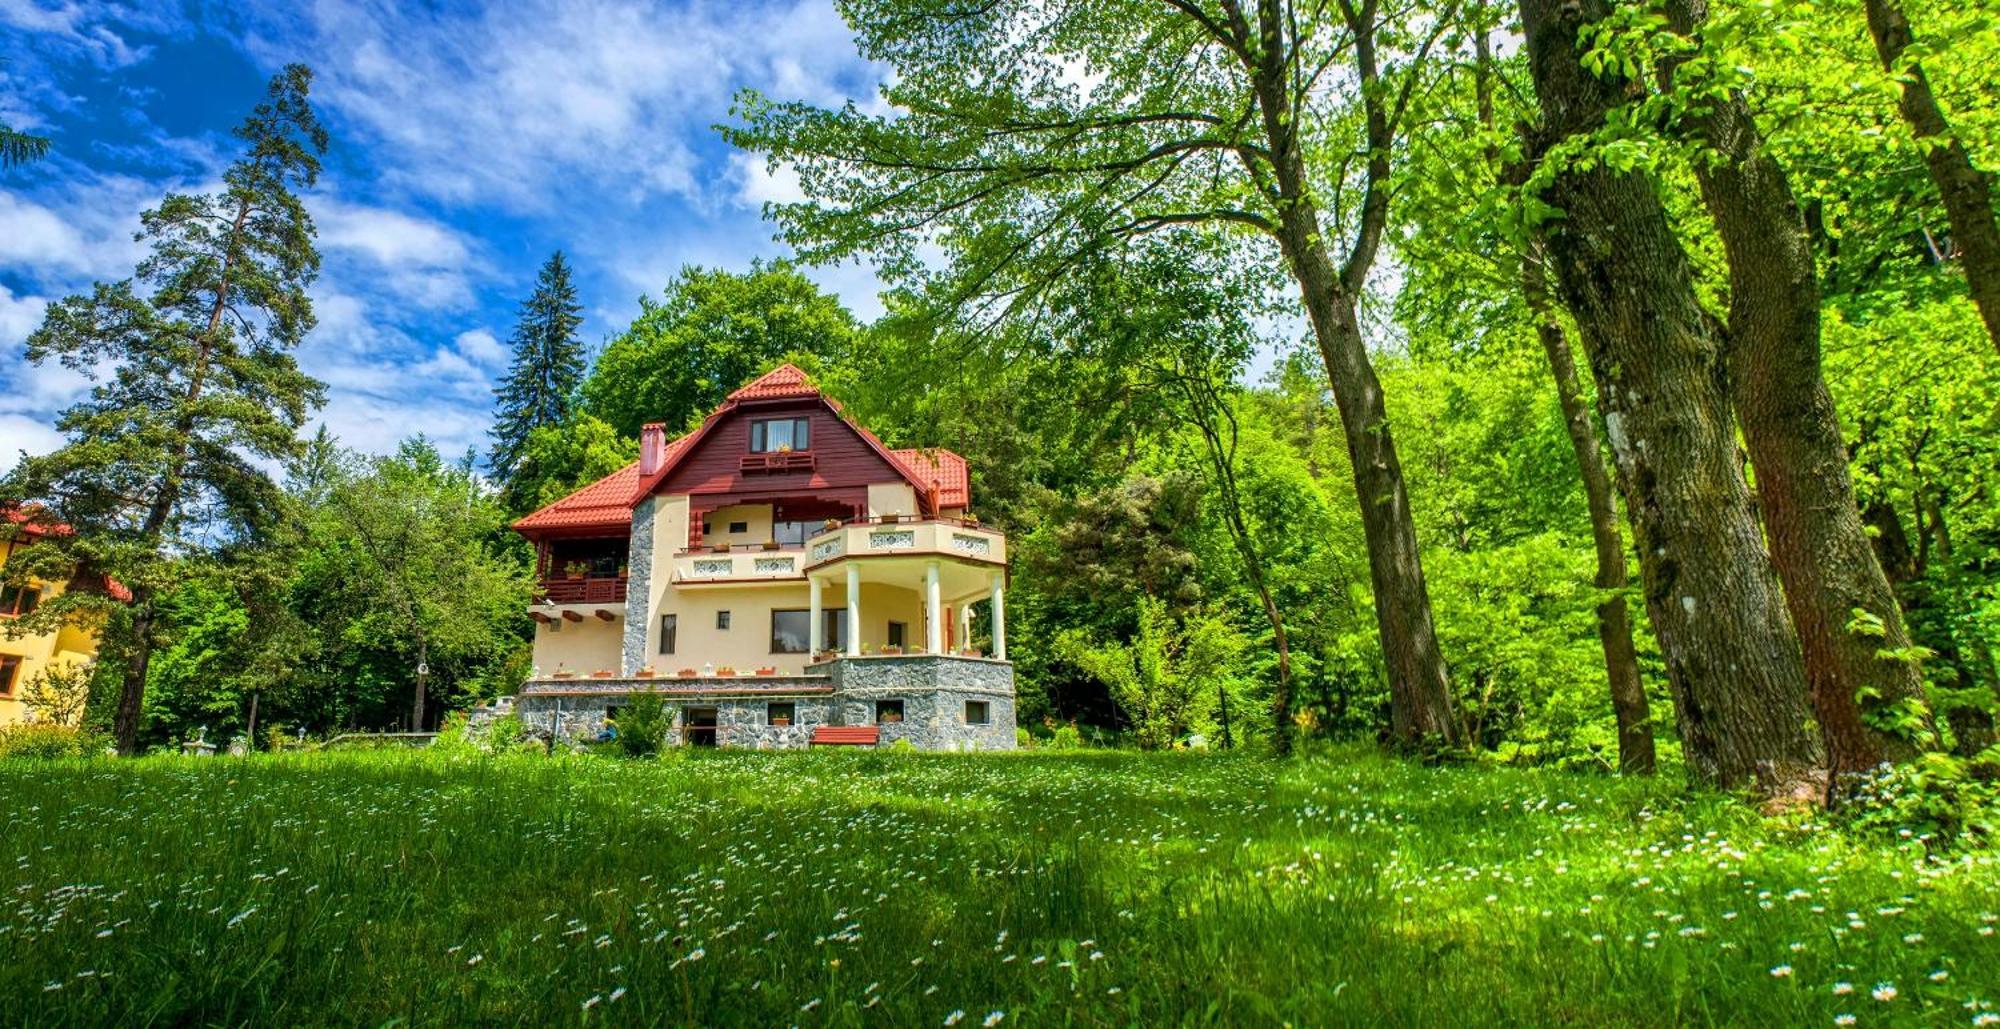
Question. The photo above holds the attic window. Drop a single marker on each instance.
(779, 434)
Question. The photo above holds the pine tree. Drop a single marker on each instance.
(542, 383)
(197, 390)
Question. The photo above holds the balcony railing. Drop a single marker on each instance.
(739, 564)
(947, 537)
(607, 589)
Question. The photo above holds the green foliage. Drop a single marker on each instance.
(1166, 681)
(643, 725)
(59, 693)
(557, 460)
(48, 741)
(540, 390)
(1940, 800)
(710, 332)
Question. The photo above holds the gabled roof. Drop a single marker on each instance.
(33, 524)
(607, 503)
(786, 380)
(944, 468)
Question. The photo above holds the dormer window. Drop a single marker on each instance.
(777, 435)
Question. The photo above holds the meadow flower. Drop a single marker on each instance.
(1884, 992)
(993, 1018)
(1842, 989)
(1781, 971)
(1843, 1019)
(955, 1017)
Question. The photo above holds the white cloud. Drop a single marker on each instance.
(80, 27)
(479, 347)
(23, 432)
(758, 184)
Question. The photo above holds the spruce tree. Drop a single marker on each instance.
(542, 383)
(196, 393)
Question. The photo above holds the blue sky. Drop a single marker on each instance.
(468, 143)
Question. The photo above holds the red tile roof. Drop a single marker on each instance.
(33, 527)
(606, 503)
(943, 468)
(786, 380)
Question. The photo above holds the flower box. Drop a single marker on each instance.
(770, 544)
(725, 670)
(891, 651)
(644, 673)
(563, 675)
(767, 671)
(686, 673)
(601, 673)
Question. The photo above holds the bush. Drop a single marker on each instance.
(1067, 737)
(44, 741)
(1023, 738)
(642, 725)
(1939, 800)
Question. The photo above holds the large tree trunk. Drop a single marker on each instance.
(1806, 495)
(1732, 657)
(1614, 622)
(1966, 191)
(132, 688)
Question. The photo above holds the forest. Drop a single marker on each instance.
(1609, 386)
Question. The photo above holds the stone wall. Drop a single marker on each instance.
(638, 586)
(933, 690)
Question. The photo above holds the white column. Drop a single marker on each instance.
(933, 609)
(816, 632)
(964, 624)
(999, 616)
(853, 609)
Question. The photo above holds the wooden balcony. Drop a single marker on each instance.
(608, 589)
(778, 462)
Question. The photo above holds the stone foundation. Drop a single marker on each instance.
(934, 692)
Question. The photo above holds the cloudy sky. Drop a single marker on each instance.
(468, 144)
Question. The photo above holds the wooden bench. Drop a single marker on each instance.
(846, 736)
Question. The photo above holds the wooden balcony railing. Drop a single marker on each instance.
(778, 461)
(608, 589)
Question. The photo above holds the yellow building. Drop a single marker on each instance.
(24, 657)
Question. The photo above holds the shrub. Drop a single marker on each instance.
(48, 742)
(1938, 799)
(642, 726)
(1067, 737)
(1023, 738)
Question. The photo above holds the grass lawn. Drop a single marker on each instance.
(1097, 888)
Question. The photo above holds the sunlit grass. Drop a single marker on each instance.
(841, 887)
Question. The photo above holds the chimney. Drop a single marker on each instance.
(652, 447)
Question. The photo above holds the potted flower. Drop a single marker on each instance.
(779, 720)
(563, 672)
(892, 650)
(686, 673)
(784, 448)
(722, 547)
(575, 569)
(971, 519)
(968, 652)
(725, 670)
(601, 673)
(829, 525)
(770, 544)
(645, 672)
(767, 671)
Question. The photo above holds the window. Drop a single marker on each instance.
(739, 527)
(554, 624)
(670, 627)
(18, 600)
(788, 631)
(777, 434)
(706, 530)
(833, 628)
(722, 619)
(976, 712)
(779, 713)
(887, 711)
(897, 630)
(10, 668)
(793, 534)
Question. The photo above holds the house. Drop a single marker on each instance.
(24, 657)
(781, 578)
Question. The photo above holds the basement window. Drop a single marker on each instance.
(977, 713)
(780, 713)
(887, 711)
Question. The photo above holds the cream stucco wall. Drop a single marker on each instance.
(746, 644)
(757, 525)
(895, 498)
(73, 644)
(581, 647)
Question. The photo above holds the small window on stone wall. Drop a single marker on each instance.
(779, 713)
(887, 711)
(722, 619)
(977, 713)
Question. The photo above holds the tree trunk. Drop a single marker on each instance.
(1732, 656)
(1614, 622)
(1966, 191)
(1419, 690)
(1805, 493)
(132, 689)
